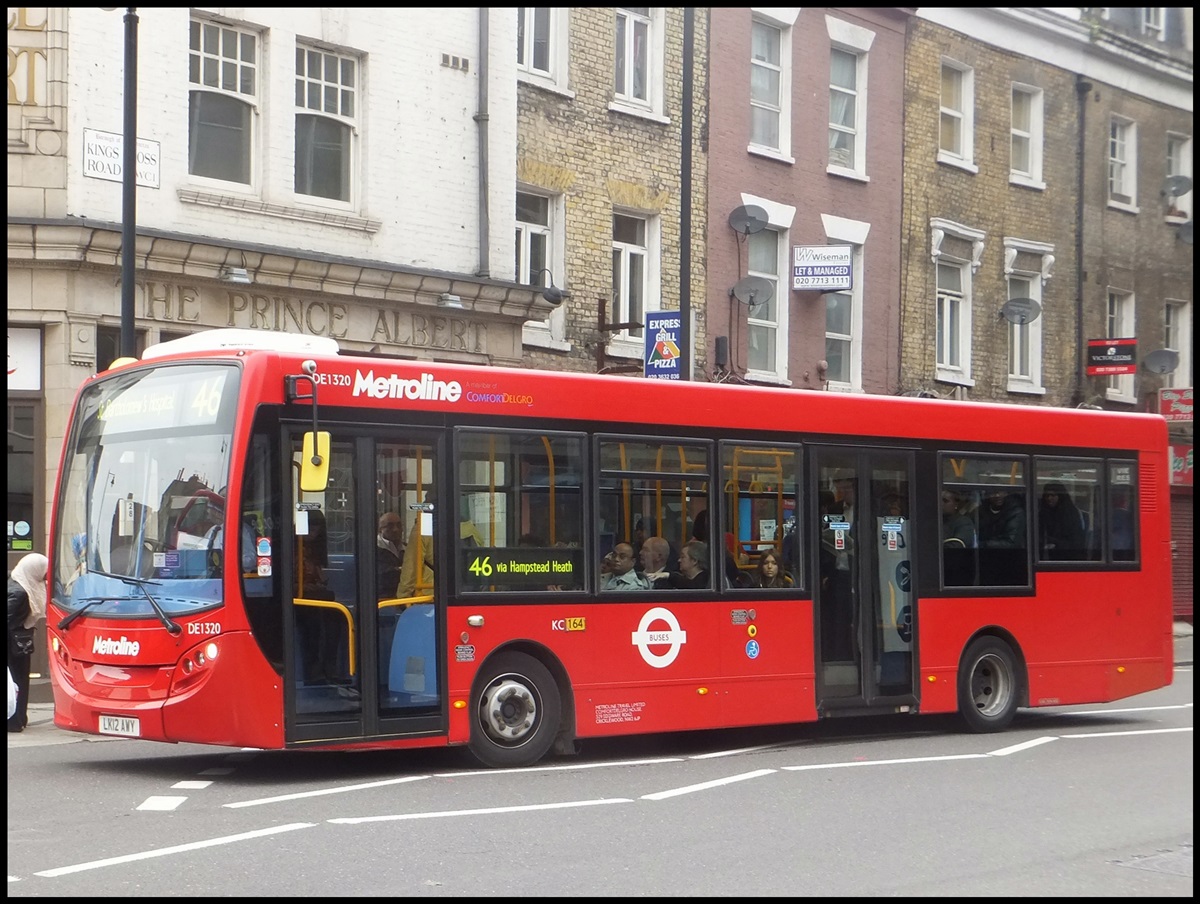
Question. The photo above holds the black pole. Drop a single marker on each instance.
(129, 187)
(685, 197)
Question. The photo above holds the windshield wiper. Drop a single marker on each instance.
(140, 583)
(93, 601)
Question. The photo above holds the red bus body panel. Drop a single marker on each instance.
(1082, 637)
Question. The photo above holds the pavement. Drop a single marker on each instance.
(41, 730)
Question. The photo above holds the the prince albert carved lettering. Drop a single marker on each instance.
(316, 317)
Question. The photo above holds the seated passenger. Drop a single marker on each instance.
(770, 573)
(693, 568)
(654, 555)
(617, 571)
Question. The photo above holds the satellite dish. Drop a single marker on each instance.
(1174, 186)
(748, 219)
(753, 290)
(1162, 361)
(1185, 233)
(1020, 310)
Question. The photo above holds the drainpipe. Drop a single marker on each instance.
(1083, 89)
(685, 198)
(482, 119)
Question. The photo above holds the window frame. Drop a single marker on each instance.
(1120, 323)
(853, 233)
(1179, 163)
(963, 156)
(777, 326)
(624, 101)
(556, 76)
(781, 109)
(1122, 164)
(847, 37)
(628, 343)
(250, 101)
(549, 333)
(1177, 336)
(348, 123)
(1033, 133)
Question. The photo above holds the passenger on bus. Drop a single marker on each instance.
(1122, 526)
(388, 554)
(617, 570)
(1002, 540)
(693, 568)
(654, 554)
(958, 528)
(770, 573)
(1001, 521)
(320, 629)
(700, 532)
(1060, 526)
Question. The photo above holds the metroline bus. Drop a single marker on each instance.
(218, 577)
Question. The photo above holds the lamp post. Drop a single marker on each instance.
(129, 187)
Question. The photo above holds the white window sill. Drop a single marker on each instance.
(843, 387)
(1026, 182)
(545, 83)
(626, 348)
(1123, 206)
(1024, 387)
(535, 335)
(845, 173)
(957, 377)
(759, 150)
(957, 162)
(1115, 395)
(764, 376)
(618, 106)
(247, 204)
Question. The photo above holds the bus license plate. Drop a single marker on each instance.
(126, 726)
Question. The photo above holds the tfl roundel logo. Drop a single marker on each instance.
(659, 627)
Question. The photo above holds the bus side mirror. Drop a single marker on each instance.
(314, 462)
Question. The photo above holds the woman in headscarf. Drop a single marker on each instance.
(26, 604)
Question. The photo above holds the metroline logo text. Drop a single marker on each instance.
(122, 647)
(425, 388)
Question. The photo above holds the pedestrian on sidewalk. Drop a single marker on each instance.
(26, 604)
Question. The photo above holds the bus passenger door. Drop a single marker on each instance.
(862, 594)
(361, 657)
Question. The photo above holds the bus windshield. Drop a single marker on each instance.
(142, 493)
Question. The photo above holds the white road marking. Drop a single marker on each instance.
(194, 785)
(563, 768)
(355, 820)
(174, 849)
(1118, 734)
(704, 786)
(1135, 709)
(734, 752)
(161, 802)
(301, 795)
(914, 759)
(1024, 745)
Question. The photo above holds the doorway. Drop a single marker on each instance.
(863, 594)
(366, 612)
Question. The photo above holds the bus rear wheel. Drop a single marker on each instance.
(516, 712)
(988, 685)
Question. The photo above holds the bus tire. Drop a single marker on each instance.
(516, 711)
(989, 687)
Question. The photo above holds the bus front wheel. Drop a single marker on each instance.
(516, 712)
(988, 685)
